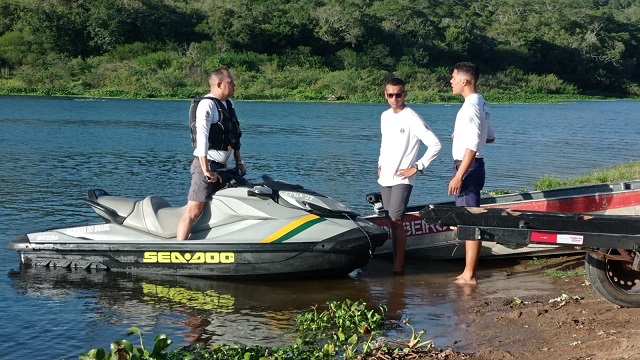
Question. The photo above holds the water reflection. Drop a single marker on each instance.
(201, 311)
(214, 311)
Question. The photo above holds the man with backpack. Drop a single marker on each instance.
(215, 136)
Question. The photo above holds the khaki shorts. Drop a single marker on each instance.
(202, 190)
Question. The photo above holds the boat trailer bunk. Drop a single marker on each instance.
(611, 242)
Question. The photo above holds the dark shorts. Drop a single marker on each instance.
(201, 190)
(395, 199)
(472, 183)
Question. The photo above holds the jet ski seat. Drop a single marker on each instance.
(160, 218)
(156, 216)
(111, 208)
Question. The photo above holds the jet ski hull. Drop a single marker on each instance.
(336, 256)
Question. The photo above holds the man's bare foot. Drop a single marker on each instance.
(463, 280)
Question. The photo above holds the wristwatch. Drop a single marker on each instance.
(417, 168)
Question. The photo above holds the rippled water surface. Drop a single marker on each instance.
(54, 149)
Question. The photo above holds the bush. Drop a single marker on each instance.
(160, 60)
(13, 48)
(129, 51)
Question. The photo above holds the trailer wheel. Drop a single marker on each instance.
(615, 280)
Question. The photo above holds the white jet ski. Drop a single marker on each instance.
(274, 229)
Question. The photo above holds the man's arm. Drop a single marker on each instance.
(433, 146)
(239, 163)
(205, 109)
(205, 114)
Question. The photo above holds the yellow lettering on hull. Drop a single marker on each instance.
(176, 257)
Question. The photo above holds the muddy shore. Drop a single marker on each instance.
(563, 319)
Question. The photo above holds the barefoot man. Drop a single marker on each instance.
(472, 130)
(402, 131)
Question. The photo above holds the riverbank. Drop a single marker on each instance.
(567, 321)
(416, 96)
(620, 172)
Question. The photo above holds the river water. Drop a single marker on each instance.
(54, 149)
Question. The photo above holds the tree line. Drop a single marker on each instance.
(318, 49)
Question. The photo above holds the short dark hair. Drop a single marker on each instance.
(395, 81)
(218, 74)
(469, 69)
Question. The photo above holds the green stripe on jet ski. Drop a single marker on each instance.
(293, 229)
(299, 229)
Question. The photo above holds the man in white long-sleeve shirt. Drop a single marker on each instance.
(217, 140)
(402, 132)
(472, 130)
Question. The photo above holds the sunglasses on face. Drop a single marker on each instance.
(396, 95)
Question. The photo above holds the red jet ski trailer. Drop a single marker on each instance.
(611, 242)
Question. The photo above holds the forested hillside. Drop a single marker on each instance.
(318, 49)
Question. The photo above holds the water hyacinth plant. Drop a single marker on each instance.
(124, 350)
(345, 330)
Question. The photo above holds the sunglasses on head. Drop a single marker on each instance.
(396, 95)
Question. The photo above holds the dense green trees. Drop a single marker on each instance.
(314, 49)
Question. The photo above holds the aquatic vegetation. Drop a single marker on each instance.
(345, 329)
(124, 350)
(415, 343)
(496, 192)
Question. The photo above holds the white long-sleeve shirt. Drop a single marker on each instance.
(472, 128)
(402, 134)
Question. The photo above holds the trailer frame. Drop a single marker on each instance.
(611, 242)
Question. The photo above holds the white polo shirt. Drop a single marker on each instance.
(472, 127)
(402, 134)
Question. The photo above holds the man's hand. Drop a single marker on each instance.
(212, 176)
(405, 173)
(454, 186)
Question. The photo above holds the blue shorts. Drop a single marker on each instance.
(472, 183)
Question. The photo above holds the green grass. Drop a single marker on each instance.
(621, 172)
(559, 267)
(561, 274)
(546, 261)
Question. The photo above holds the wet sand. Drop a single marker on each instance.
(540, 329)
